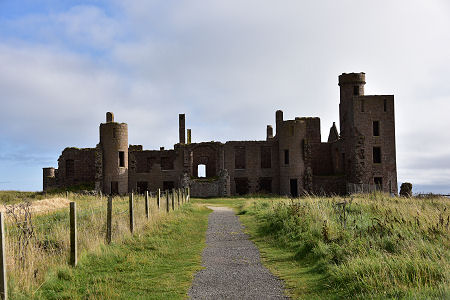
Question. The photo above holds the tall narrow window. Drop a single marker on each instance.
(376, 128)
(239, 157)
(114, 132)
(376, 155)
(286, 157)
(362, 105)
(266, 157)
(121, 159)
(385, 105)
(355, 90)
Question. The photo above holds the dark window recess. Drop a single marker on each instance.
(355, 90)
(239, 157)
(385, 105)
(376, 155)
(343, 162)
(114, 132)
(265, 184)
(294, 188)
(121, 159)
(114, 187)
(168, 185)
(286, 157)
(241, 185)
(266, 157)
(362, 105)
(70, 167)
(378, 181)
(376, 128)
(142, 186)
(167, 163)
(150, 162)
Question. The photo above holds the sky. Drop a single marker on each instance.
(228, 64)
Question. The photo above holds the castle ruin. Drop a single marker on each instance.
(292, 162)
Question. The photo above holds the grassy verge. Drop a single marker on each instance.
(366, 247)
(40, 243)
(158, 263)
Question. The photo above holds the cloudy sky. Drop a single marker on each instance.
(227, 64)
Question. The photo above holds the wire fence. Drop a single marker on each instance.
(33, 243)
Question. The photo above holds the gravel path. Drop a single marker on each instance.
(233, 268)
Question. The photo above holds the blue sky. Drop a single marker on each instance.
(227, 64)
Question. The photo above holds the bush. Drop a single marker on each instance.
(406, 189)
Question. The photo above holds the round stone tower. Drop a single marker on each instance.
(114, 145)
(351, 86)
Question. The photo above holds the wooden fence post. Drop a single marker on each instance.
(167, 200)
(146, 205)
(109, 221)
(73, 234)
(173, 199)
(3, 282)
(159, 198)
(131, 213)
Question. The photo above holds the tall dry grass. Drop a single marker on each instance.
(50, 244)
(367, 245)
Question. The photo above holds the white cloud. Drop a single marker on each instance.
(229, 65)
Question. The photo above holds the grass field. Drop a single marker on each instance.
(363, 247)
(366, 247)
(40, 244)
(159, 263)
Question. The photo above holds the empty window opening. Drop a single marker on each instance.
(376, 155)
(241, 185)
(201, 171)
(121, 159)
(168, 185)
(239, 157)
(142, 187)
(378, 181)
(114, 132)
(70, 167)
(265, 185)
(362, 105)
(294, 188)
(286, 157)
(167, 163)
(266, 157)
(376, 128)
(355, 90)
(385, 105)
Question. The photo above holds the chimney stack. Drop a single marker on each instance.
(182, 127)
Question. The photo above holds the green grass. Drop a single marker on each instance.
(382, 248)
(159, 263)
(11, 197)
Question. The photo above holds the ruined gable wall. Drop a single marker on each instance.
(83, 167)
(145, 166)
(252, 171)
